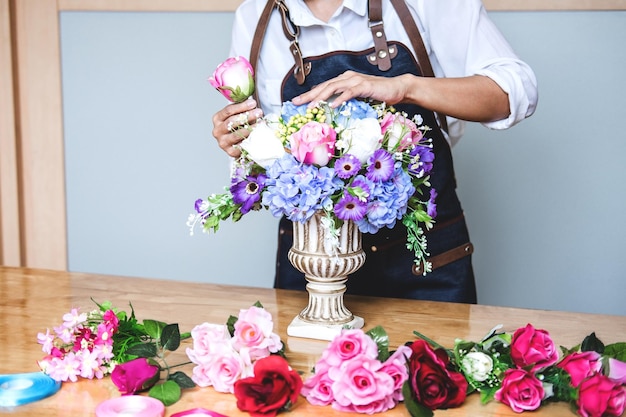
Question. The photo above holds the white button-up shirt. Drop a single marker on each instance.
(460, 39)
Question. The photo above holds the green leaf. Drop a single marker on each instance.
(616, 351)
(592, 343)
(170, 337)
(379, 335)
(415, 409)
(142, 350)
(257, 304)
(230, 324)
(168, 392)
(182, 380)
(153, 328)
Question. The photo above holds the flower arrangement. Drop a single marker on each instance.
(226, 353)
(363, 162)
(110, 341)
(523, 370)
(358, 373)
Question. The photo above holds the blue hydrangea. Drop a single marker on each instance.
(297, 190)
(288, 110)
(354, 109)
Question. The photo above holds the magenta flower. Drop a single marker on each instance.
(135, 376)
(314, 143)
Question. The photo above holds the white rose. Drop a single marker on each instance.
(477, 365)
(263, 144)
(361, 138)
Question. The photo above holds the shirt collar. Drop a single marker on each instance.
(301, 15)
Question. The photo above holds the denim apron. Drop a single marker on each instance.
(389, 270)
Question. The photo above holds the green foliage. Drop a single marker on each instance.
(168, 392)
(379, 335)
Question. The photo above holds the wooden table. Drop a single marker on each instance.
(33, 300)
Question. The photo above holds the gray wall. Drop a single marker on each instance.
(543, 199)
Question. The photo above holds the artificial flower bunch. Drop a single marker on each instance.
(363, 162)
(358, 373)
(82, 346)
(225, 353)
(523, 370)
(110, 341)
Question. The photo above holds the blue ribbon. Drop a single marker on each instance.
(19, 389)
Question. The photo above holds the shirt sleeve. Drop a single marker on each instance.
(465, 41)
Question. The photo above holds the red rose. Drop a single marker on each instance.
(533, 347)
(432, 384)
(520, 390)
(274, 386)
(581, 365)
(599, 396)
(135, 376)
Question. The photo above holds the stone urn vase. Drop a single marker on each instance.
(326, 259)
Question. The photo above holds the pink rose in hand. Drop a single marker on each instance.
(520, 390)
(234, 78)
(581, 365)
(533, 347)
(135, 376)
(314, 143)
(599, 396)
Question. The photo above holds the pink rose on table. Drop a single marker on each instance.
(360, 386)
(432, 384)
(135, 376)
(520, 390)
(617, 370)
(599, 396)
(533, 347)
(400, 131)
(234, 78)
(254, 334)
(274, 387)
(581, 365)
(314, 143)
(318, 389)
(221, 369)
(345, 346)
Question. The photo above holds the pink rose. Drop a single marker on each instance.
(599, 396)
(400, 132)
(207, 338)
(533, 347)
(135, 376)
(395, 366)
(314, 143)
(581, 365)
(318, 389)
(234, 78)
(254, 335)
(520, 390)
(617, 370)
(345, 346)
(222, 369)
(359, 384)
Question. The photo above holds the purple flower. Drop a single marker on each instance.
(431, 206)
(421, 162)
(350, 207)
(248, 191)
(380, 166)
(347, 166)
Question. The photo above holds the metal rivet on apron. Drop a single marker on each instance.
(372, 58)
(374, 248)
(379, 34)
(382, 54)
(392, 50)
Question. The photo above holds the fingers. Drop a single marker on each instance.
(231, 125)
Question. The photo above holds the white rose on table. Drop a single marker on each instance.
(361, 138)
(263, 144)
(477, 365)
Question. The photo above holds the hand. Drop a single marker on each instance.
(350, 84)
(229, 125)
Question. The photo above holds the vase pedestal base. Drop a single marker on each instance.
(319, 331)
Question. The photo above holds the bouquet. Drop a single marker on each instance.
(107, 341)
(522, 369)
(362, 161)
(357, 373)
